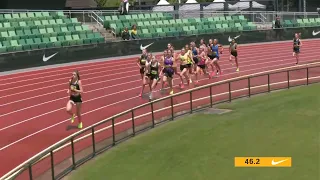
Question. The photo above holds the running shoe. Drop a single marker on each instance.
(150, 97)
(181, 85)
(171, 92)
(80, 125)
(72, 118)
(237, 70)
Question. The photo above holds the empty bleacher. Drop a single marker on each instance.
(307, 22)
(163, 24)
(38, 30)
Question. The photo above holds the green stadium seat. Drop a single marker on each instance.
(7, 16)
(20, 33)
(30, 15)
(47, 42)
(77, 39)
(23, 16)
(15, 45)
(307, 22)
(92, 38)
(4, 35)
(75, 21)
(70, 40)
(160, 32)
(3, 49)
(7, 44)
(226, 27)
(39, 42)
(32, 44)
(22, 24)
(54, 41)
(45, 14)
(242, 19)
(15, 16)
(99, 38)
(85, 39)
(185, 22)
(287, 23)
(312, 22)
(24, 45)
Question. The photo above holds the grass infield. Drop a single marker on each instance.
(203, 146)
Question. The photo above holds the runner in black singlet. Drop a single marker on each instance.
(75, 89)
(296, 46)
(141, 62)
(233, 49)
(153, 69)
(146, 73)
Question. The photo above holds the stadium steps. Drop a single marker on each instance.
(108, 36)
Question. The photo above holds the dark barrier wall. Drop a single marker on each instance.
(32, 4)
(28, 59)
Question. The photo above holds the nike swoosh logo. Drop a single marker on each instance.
(145, 47)
(237, 37)
(44, 58)
(229, 39)
(277, 162)
(315, 33)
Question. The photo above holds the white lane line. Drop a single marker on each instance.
(5, 147)
(122, 71)
(63, 98)
(263, 51)
(18, 167)
(224, 62)
(175, 105)
(20, 122)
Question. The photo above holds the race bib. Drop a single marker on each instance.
(72, 87)
(154, 72)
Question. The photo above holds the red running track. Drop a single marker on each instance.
(33, 103)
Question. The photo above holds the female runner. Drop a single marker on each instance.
(296, 46)
(216, 50)
(175, 59)
(190, 60)
(202, 42)
(210, 56)
(184, 66)
(75, 89)
(201, 66)
(233, 49)
(165, 54)
(153, 67)
(145, 74)
(168, 72)
(141, 62)
(195, 52)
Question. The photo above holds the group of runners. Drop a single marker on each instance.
(193, 61)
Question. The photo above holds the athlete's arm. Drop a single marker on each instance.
(69, 88)
(220, 46)
(300, 43)
(138, 63)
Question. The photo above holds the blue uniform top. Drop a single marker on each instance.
(194, 52)
(215, 50)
